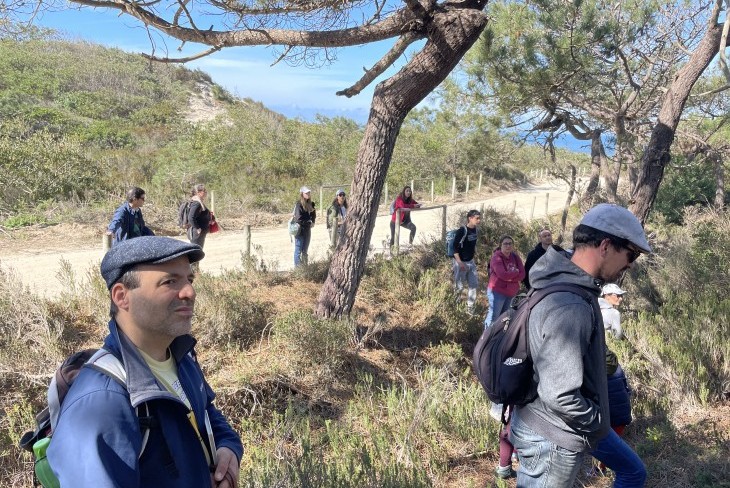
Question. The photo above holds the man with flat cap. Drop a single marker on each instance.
(570, 414)
(156, 427)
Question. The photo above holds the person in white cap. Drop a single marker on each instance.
(612, 297)
(570, 415)
(304, 215)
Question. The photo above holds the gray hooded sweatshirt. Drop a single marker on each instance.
(567, 344)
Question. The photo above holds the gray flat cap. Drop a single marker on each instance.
(617, 221)
(145, 250)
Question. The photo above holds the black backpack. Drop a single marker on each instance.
(502, 359)
(182, 215)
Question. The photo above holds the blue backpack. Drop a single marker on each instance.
(451, 238)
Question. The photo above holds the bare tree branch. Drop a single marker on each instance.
(395, 52)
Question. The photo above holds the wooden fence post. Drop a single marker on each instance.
(106, 242)
(467, 184)
(247, 240)
(212, 201)
(443, 223)
(479, 188)
(453, 188)
(431, 191)
(547, 200)
(514, 206)
(532, 212)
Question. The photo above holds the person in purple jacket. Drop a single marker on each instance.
(506, 271)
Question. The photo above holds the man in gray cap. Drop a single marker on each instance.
(570, 414)
(156, 425)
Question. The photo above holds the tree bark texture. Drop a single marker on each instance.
(657, 155)
(451, 31)
(597, 155)
(568, 200)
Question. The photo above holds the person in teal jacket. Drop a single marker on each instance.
(162, 429)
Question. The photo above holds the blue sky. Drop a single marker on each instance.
(244, 71)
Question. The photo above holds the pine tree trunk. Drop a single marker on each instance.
(657, 155)
(597, 156)
(450, 34)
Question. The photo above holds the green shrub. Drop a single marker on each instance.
(226, 314)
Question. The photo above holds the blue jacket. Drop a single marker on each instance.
(619, 398)
(123, 221)
(98, 438)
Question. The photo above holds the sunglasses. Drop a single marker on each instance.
(632, 254)
(340, 194)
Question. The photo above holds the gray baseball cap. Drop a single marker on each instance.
(145, 250)
(617, 221)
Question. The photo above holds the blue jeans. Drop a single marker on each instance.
(622, 460)
(470, 276)
(498, 304)
(301, 245)
(542, 463)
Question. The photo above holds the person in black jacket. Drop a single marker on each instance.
(545, 241)
(304, 215)
(198, 216)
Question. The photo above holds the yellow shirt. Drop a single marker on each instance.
(166, 373)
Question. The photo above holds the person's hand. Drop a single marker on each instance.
(419, 205)
(226, 471)
(462, 266)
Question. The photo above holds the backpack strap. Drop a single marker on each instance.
(107, 363)
(466, 231)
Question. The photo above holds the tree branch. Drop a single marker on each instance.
(202, 54)
(399, 48)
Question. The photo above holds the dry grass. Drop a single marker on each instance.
(388, 394)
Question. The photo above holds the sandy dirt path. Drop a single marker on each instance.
(41, 270)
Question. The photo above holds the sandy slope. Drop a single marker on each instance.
(39, 269)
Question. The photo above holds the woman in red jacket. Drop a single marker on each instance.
(506, 271)
(404, 201)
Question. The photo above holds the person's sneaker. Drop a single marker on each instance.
(514, 459)
(505, 472)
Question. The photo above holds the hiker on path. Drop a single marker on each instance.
(304, 215)
(337, 211)
(127, 222)
(570, 415)
(465, 242)
(405, 202)
(505, 273)
(613, 295)
(162, 429)
(545, 241)
(199, 216)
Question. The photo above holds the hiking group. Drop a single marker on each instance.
(140, 413)
(544, 362)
